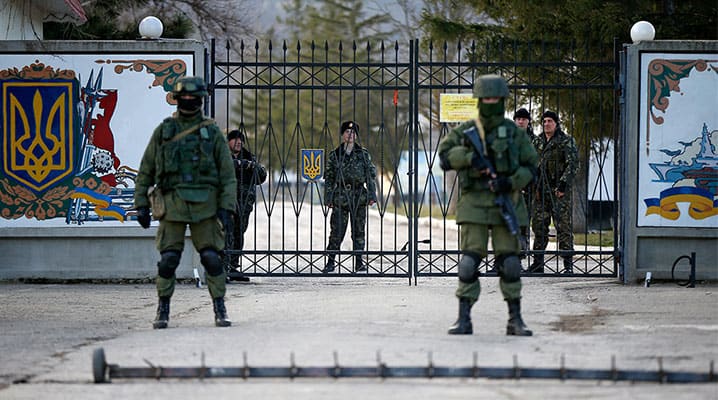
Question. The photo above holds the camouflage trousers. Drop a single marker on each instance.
(475, 239)
(341, 215)
(205, 234)
(549, 207)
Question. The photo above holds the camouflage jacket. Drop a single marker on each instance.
(558, 161)
(349, 174)
(512, 156)
(195, 173)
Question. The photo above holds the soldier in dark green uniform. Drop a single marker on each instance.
(514, 159)
(522, 118)
(558, 163)
(249, 173)
(350, 184)
(187, 158)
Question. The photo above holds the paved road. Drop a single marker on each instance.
(50, 331)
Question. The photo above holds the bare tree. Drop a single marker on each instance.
(221, 19)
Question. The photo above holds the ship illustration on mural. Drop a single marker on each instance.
(697, 160)
(693, 174)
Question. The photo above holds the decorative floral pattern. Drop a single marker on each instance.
(664, 77)
(37, 70)
(166, 72)
(17, 201)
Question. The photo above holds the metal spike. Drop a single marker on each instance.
(292, 366)
(245, 368)
(430, 368)
(337, 369)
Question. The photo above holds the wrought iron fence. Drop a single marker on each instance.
(293, 97)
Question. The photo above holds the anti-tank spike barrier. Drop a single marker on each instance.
(104, 372)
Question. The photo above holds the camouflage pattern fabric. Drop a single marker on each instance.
(350, 183)
(558, 164)
(195, 173)
(513, 156)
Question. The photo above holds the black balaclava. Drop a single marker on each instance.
(189, 106)
(491, 115)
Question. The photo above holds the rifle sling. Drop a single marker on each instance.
(191, 129)
(482, 135)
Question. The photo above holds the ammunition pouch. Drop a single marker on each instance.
(157, 202)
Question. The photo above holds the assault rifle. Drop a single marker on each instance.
(503, 201)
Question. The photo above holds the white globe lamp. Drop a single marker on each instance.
(642, 30)
(151, 27)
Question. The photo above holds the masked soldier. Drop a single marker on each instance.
(507, 165)
(558, 163)
(249, 173)
(188, 161)
(350, 186)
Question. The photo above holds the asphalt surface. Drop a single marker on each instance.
(49, 333)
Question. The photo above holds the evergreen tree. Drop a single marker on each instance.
(341, 43)
(119, 19)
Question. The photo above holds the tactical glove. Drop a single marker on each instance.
(225, 217)
(500, 185)
(143, 216)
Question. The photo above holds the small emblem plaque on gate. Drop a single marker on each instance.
(312, 162)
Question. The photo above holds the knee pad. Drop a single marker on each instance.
(468, 267)
(211, 262)
(168, 264)
(509, 268)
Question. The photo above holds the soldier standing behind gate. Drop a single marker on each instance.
(558, 163)
(350, 186)
(522, 118)
(513, 159)
(188, 160)
(249, 173)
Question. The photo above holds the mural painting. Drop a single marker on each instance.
(74, 127)
(678, 141)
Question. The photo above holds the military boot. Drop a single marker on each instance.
(359, 264)
(537, 265)
(568, 265)
(329, 267)
(516, 326)
(236, 275)
(220, 313)
(163, 313)
(463, 326)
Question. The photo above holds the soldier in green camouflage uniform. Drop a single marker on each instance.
(558, 163)
(187, 158)
(514, 160)
(350, 184)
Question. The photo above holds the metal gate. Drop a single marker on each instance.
(295, 97)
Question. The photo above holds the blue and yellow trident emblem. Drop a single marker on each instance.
(312, 161)
(38, 142)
